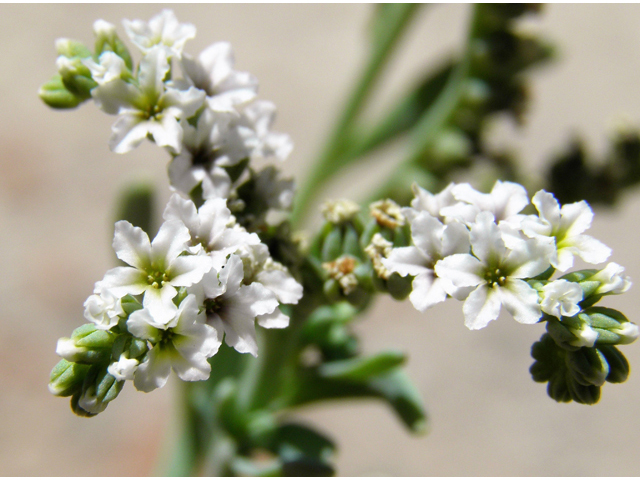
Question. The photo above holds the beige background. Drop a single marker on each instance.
(58, 181)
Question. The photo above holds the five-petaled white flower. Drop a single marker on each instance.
(183, 344)
(213, 72)
(505, 200)
(497, 273)
(212, 228)
(148, 107)
(566, 225)
(432, 241)
(156, 268)
(162, 30)
(232, 307)
(560, 298)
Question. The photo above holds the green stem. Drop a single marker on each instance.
(431, 123)
(330, 161)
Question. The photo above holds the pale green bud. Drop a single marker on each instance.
(71, 48)
(55, 94)
(67, 377)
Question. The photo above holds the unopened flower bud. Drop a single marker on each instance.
(613, 327)
(387, 213)
(67, 377)
(71, 48)
(339, 211)
(99, 388)
(76, 77)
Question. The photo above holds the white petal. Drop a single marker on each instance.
(132, 245)
(154, 371)
(193, 369)
(407, 261)
(260, 299)
(121, 281)
(282, 284)
(427, 291)
(548, 207)
(486, 239)
(170, 242)
(461, 269)
(576, 218)
(426, 233)
(587, 248)
(159, 303)
(521, 301)
(277, 319)
(481, 307)
(189, 269)
(128, 132)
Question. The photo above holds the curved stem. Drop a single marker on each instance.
(427, 129)
(329, 161)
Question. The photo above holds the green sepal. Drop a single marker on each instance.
(130, 304)
(351, 242)
(67, 377)
(362, 369)
(100, 388)
(77, 409)
(332, 244)
(618, 364)
(115, 45)
(561, 333)
(89, 336)
(55, 94)
(370, 229)
(399, 287)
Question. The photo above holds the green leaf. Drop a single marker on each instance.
(362, 369)
(407, 112)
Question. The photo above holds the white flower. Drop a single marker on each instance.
(124, 368)
(566, 225)
(103, 309)
(611, 280)
(163, 30)
(213, 72)
(497, 274)
(202, 155)
(432, 241)
(275, 191)
(212, 227)
(425, 201)
(156, 268)
(259, 116)
(183, 344)
(560, 298)
(585, 336)
(148, 108)
(232, 307)
(110, 67)
(505, 200)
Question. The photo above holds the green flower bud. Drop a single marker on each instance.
(572, 332)
(76, 77)
(99, 388)
(86, 345)
(618, 364)
(72, 48)
(107, 40)
(67, 378)
(332, 245)
(612, 327)
(588, 366)
(55, 94)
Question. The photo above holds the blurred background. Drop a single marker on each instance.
(59, 182)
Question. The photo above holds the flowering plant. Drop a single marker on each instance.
(227, 256)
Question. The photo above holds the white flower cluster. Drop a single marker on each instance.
(201, 278)
(479, 248)
(204, 276)
(209, 119)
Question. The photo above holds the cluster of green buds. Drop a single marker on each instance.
(349, 250)
(578, 353)
(94, 363)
